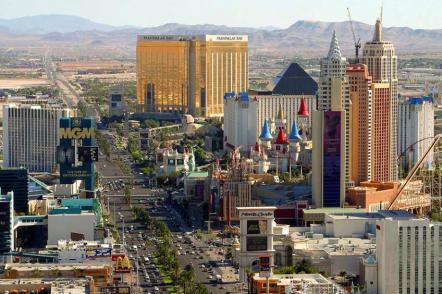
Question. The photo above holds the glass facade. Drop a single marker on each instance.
(190, 74)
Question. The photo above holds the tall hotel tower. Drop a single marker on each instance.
(331, 131)
(31, 135)
(380, 57)
(190, 74)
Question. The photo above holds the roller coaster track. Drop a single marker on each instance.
(416, 191)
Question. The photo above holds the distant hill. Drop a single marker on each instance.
(52, 23)
(301, 38)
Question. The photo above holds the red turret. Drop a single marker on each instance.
(282, 137)
(303, 111)
(257, 147)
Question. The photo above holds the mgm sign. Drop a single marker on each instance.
(77, 152)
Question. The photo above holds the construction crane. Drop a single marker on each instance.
(356, 42)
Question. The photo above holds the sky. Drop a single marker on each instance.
(423, 14)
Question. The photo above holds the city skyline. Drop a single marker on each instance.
(409, 13)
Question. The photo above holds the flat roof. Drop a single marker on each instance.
(333, 210)
(52, 266)
(257, 208)
(210, 38)
(197, 174)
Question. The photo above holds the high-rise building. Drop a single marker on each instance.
(30, 136)
(409, 256)
(360, 123)
(331, 131)
(415, 130)
(16, 180)
(190, 74)
(116, 101)
(380, 57)
(6, 222)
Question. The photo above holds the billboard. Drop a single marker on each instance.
(78, 172)
(332, 159)
(256, 227)
(65, 154)
(256, 243)
(98, 252)
(87, 153)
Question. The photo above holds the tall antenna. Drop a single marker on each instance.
(382, 9)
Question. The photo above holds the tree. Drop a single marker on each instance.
(128, 194)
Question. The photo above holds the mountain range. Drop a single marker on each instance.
(303, 37)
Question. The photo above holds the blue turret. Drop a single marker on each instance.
(294, 134)
(265, 132)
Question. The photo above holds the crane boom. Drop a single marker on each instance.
(357, 41)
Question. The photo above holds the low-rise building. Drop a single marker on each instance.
(48, 285)
(81, 251)
(295, 283)
(101, 273)
(372, 196)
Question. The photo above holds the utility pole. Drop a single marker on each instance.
(138, 280)
(124, 239)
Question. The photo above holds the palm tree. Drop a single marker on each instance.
(250, 275)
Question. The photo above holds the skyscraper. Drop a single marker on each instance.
(30, 136)
(331, 131)
(190, 74)
(380, 57)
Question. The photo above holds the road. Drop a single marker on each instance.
(70, 95)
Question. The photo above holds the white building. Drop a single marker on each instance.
(170, 161)
(331, 131)
(240, 120)
(415, 130)
(64, 226)
(409, 256)
(31, 136)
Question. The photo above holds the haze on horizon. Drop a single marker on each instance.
(241, 13)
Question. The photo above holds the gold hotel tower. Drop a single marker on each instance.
(190, 74)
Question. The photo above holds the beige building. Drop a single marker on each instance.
(190, 74)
